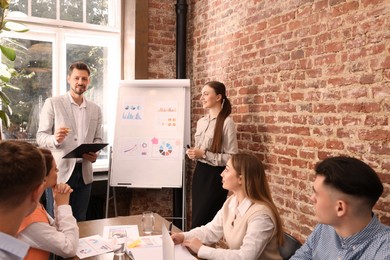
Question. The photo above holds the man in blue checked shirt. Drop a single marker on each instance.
(344, 192)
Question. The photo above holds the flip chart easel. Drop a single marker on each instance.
(152, 129)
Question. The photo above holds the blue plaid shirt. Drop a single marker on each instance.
(372, 243)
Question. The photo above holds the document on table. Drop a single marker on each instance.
(129, 231)
(160, 248)
(156, 253)
(91, 246)
(97, 245)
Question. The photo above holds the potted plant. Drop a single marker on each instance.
(7, 72)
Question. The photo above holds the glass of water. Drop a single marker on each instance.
(147, 222)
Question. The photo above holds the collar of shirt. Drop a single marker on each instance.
(208, 118)
(240, 209)
(83, 105)
(369, 231)
(11, 247)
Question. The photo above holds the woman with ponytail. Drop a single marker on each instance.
(215, 142)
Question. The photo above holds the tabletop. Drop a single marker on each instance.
(96, 227)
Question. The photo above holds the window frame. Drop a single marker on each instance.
(60, 33)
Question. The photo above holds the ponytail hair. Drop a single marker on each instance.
(226, 109)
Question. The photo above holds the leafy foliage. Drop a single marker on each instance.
(6, 66)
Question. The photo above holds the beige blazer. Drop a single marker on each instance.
(56, 113)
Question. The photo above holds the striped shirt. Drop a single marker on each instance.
(372, 243)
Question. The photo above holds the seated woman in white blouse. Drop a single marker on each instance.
(248, 222)
(44, 234)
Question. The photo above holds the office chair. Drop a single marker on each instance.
(291, 244)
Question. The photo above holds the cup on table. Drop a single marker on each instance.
(147, 222)
(119, 240)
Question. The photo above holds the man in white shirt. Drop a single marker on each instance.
(22, 169)
(65, 122)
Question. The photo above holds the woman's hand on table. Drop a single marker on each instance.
(193, 244)
(177, 238)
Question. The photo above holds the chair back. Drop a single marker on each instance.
(291, 244)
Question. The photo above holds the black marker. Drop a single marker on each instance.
(188, 146)
(170, 228)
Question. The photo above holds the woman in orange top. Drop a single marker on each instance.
(44, 234)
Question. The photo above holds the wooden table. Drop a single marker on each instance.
(96, 227)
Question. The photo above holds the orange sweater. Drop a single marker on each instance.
(39, 215)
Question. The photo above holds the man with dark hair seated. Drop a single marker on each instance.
(344, 192)
(22, 169)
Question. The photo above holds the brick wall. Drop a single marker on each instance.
(162, 39)
(307, 79)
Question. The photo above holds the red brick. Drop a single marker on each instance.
(307, 154)
(296, 130)
(380, 149)
(373, 120)
(345, 8)
(335, 145)
(374, 135)
(284, 161)
(324, 108)
(295, 141)
(300, 163)
(323, 131)
(285, 151)
(367, 79)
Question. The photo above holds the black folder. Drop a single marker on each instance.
(85, 148)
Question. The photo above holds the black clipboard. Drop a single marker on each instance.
(85, 148)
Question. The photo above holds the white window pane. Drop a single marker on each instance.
(71, 10)
(97, 12)
(19, 5)
(36, 57)
(44, 8)
(104, 13)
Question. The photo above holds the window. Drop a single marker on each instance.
(62, 32)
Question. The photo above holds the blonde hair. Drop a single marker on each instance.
(256, 185)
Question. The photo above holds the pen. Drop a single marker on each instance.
(170, 228)
(188, 146)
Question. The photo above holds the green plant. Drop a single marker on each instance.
(7, 72)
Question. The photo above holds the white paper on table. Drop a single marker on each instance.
(152, 247)
(150, 241)
(91, 246)
(131, 231)
(167, 244)
(182, 253)
(156, 253)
